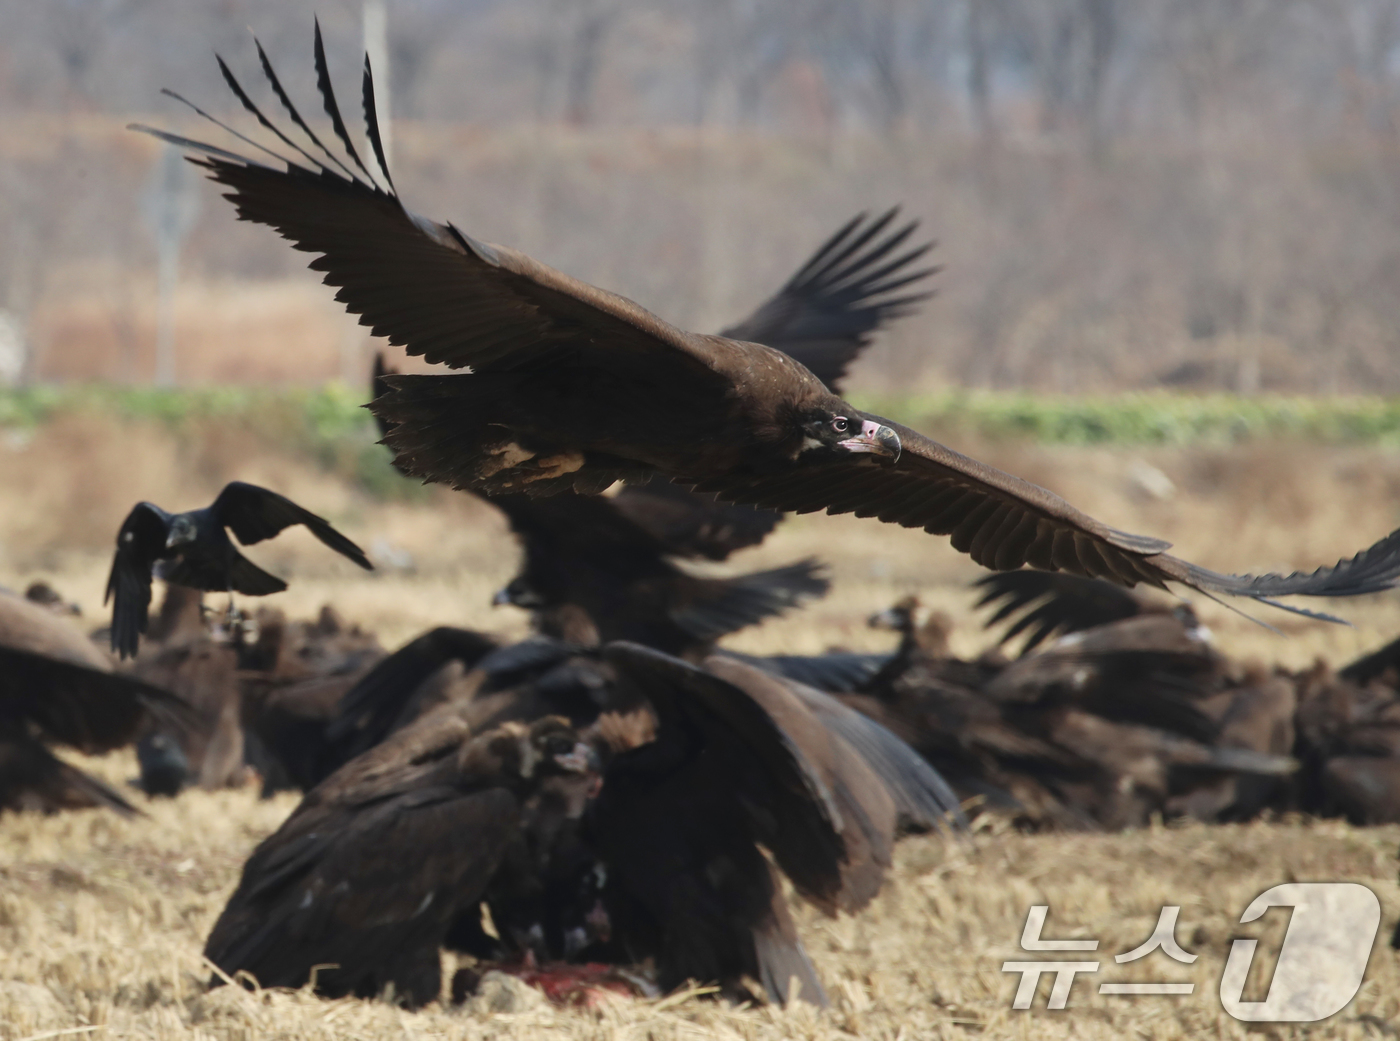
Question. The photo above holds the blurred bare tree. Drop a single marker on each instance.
(1129, 192)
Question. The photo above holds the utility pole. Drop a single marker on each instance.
(171, 206)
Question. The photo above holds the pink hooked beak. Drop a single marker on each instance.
(875, 439)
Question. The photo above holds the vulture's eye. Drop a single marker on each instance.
(839, 424)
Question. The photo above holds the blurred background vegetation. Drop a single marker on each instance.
(1129, 195)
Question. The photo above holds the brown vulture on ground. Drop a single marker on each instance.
(360, 883)
(58, 688)
(572, 387)
(1099, 729)
(702, 770)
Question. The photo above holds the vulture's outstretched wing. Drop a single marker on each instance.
(719, 606)
(1052, 603)
(793, 815)
(1005, 523)
(691, 525)
(380, 700)
(76, 705)
(33, 778)
(836, 672)
(140, 543)
(853, 284)
(254, 514)
(423, 285)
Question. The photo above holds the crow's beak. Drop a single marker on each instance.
(875, 439)
(581, 760)
(886, 619)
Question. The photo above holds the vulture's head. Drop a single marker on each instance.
(182, 531)
(514, 753)
(837, 427)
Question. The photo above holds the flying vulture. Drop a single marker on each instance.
(573, 388)
(193, 549)
(583, 556)
(824, 317)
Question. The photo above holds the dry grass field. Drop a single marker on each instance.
(102, 919)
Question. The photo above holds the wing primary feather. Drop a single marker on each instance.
(323, 84)
(858, 275)
(185, 142)
(224, 126)
(242, 96)
(285, 99)
(859, 242)
(1321, 616)
(818, 258)
(372, 124)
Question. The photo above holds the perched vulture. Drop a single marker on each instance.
(1100, 729)
(193, 549)
(572, 387)
(292, 678)
(58, 688)
(704, 767)
(361, 882)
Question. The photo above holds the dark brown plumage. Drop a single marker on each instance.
(293, 677)
(34, 779)
(366, 875)
(742, 759)
(57, 688)
(1100, 729)
(1048, 603)
(573, 388)
(582, 556)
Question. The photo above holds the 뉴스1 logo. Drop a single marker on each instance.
(1320, 965)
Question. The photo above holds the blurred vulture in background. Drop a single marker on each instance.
(647, 843)
(1051, 604)
(193, 549)
(260, 688)
(574, 388)
(57, 688)
(592, 576)
(1099, 729)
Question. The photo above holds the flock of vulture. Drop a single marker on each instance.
(616, 800)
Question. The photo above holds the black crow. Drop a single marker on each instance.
(573, 387)
(193, 549)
